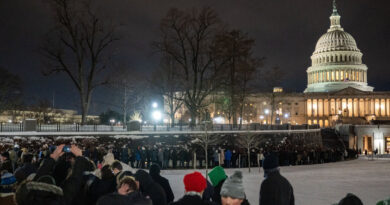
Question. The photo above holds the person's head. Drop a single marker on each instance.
(194, 182)
(232, 190)
(127, 185)
(4, 156)
(270, 164)
(106, 173)
(350, 199)
(27, 158)
(116, 167)
(154, 169)
(142, 178)
(43, 191)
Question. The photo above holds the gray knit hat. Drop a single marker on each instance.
(233, 187)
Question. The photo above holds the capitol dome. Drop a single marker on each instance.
(336, 61)
(336, 40)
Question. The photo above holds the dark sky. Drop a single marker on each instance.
(285, 31)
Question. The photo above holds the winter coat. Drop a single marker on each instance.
(23, 172)
(6, 165)
(100, 188)
(276, 190)
(134, 198)
(72, 186)
(208, 192)
(164, 183)
(150, 189)
(216, 198)
(191, 200)
(125, 156)
(228, 155)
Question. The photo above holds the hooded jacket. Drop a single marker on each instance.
(276, 190)
(134, 198)
(154, 172)
(150, 189)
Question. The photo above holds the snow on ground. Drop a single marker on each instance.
(322, 184)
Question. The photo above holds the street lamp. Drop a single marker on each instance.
(112, 121)
(266, 112)
(154, 105)
(157, 117)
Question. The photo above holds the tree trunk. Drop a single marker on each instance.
(85, 100)
(172, 115)
(249, 158)
(193, 118)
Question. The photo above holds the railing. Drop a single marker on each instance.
(11, 127)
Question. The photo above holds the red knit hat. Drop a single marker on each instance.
(194, 182)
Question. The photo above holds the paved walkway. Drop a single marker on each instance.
(322, 184)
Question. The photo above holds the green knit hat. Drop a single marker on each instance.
(217, 175)
(384, 202)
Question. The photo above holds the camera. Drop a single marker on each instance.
(66, 148)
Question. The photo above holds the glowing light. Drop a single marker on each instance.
(154, 105)
(286, 115)
(261, 117)
(157, 115)
(219, 120)
(266, 111)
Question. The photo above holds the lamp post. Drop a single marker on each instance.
(266, 112)
(157, 117)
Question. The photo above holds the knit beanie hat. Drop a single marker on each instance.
(217, 175)
(233, 187)
(270, 161)
(350, 199)
(194, 182)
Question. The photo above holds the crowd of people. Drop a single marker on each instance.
(78, 173)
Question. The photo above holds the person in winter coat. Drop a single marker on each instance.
(42, 191)
(194, 185)
(232, 191)
(208, 192)
(217, 177)
(275, 189)
(7, 188)
(154, 172)
(73, 184)
(228, 158)
(234, 159)
(6, 163)
(26, 169)
(149, 188)
(127, 193)
(103, 186)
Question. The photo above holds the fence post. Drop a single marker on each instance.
(239, 160)
(194, 162)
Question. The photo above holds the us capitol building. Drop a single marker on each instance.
(337, 93)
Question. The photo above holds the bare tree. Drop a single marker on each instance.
(77, 47)
(165, 83)
(236, 47)
(188, 37)
(10, 91)
(249, 141)
(128, 91)
(205, 140)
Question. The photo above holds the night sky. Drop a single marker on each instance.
(285, 31)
